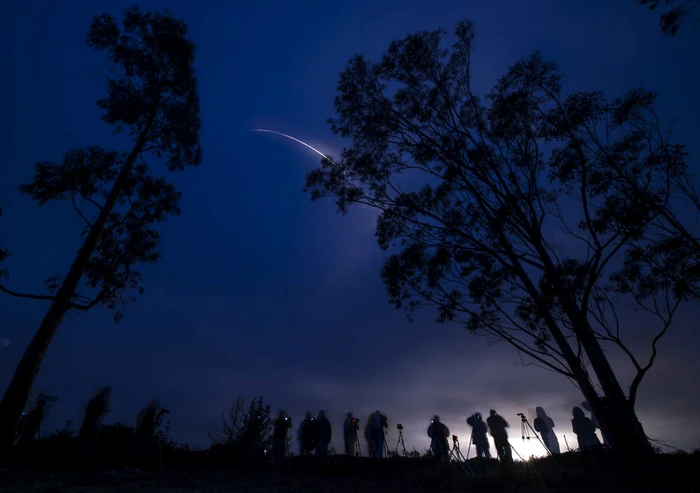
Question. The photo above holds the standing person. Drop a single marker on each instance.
(438, 434)
(368, 437)
(279, 437)
(497, 428)
(146, 424)
(310, 433)
(323, 434)
(588, 441)
(545, 426)
(584, 428)
(585, 405)
(350, 427)
(95, 412)
(479, 438)
(301, 435)
(378, 423)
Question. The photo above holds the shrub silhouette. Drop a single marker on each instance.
(113, 450)
(227, 447)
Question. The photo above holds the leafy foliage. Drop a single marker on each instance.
(672, 19)
(129, 237)
(508, 213)
(256, 426)
(154, 97)
(157, 90)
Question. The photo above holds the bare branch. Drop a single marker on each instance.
(91, 200)
(27, 295)
(80, 213)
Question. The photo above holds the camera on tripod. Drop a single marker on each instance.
(455, 438)
(399, 426)
(522, 416)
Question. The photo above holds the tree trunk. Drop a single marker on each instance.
(621, 421)
(15, 398)
(579, 372)
(617, 418)
(626, 431)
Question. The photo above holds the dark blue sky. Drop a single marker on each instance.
(259, 290)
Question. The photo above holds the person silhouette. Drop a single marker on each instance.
(585, 405)
(146, 423)
(303, 434)
(479, 438)
(438, 434)
(545, 426)
(309, 434)
(95, 412)
(377, 423)
(497, 428)
(368, 436)
(350, 427)
(588, 441)
(323, 434)
(584, 428)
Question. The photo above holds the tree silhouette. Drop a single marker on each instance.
(154, 99)
(237, 422)
(256, 425)
(672, 19)
(231, 422)
(509, 213)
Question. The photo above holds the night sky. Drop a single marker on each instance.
(260, 291)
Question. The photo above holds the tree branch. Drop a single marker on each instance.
(26, 295)
(93, 202)
(77, 209)
(89, 304)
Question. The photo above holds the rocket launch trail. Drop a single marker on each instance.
(292, 138)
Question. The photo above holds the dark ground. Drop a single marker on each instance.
(672, 473)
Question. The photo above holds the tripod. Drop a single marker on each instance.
(469, 448)
(352, 438)
(457, 456)
(400, 441)
(527, 432)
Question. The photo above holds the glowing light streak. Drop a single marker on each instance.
(299, 141)
(294, 139)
